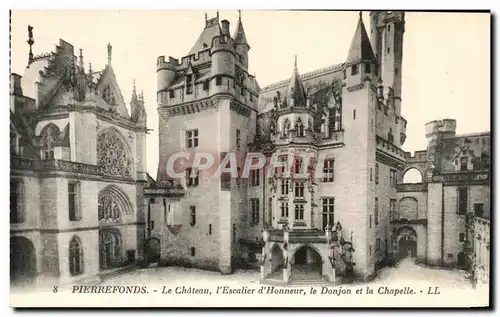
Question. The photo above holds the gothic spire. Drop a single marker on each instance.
(239, 35)
(360, 49)
(134, 93)
(80, 61)
(295, 92)
(110, 48)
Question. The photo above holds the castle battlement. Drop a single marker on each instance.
(447, 126)
(222, 43)
(417, 156)
(176, 64)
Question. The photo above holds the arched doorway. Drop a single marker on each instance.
(277, 259)
(22, 261)
(110, 249)
(306, 261)
(407, 243)
(153, 250)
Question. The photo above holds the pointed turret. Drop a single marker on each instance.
(134, 94)
(360, 49)
(295, 95)
(361, 63)
(240, 42)
(80, 62)
(239, 34)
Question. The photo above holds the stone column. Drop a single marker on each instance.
(287, 269)
(264, 267)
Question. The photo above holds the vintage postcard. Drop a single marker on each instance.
(249, 158)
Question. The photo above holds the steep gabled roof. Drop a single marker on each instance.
(360, 49)
(211, 30)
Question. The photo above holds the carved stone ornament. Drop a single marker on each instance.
(109, 96)
(112, 155)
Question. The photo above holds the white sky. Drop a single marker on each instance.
(446, 59)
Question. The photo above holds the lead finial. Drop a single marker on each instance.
(295, 64)
(206, 17)
(90, 68)
(80, 62)
(360, 15)
(31, 41)
(110, 48)
(217, 15)
(239, 14)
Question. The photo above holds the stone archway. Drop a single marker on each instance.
(110, 248)
(407, 243)
(153, 250)
(277, 259)
(22, 261)
(306, 263)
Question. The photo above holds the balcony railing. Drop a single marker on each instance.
(412, 187)
(54, 165)
(165, 191)
(389, 147)
(462, 177)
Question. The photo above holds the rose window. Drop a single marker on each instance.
(112, 155)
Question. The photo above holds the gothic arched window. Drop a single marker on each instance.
(108, 209)
(112, 204)
(75, 256)
(300, 128)
(50, 134)
(109, 248)
(286, 128)
(112, 154)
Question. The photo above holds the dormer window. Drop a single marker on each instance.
(464, 162)
(218, 80)
(354, 69)
(172, 93)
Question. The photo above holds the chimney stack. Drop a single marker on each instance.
(225, 27)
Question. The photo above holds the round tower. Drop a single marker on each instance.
(165, 72)
(223, 59)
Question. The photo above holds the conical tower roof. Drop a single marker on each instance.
(295, 90)
(239, 35)
(361, 49)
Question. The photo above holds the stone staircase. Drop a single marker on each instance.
(306, 279)
(117, 272)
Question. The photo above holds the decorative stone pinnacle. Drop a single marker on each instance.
(31, 41)
(110, 48)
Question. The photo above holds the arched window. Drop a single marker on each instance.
(50, 134)
(112, 154)
(109, 249)
(286, 128)
(297, 165)
(300, 128)
(113, 203)
(75, 256)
